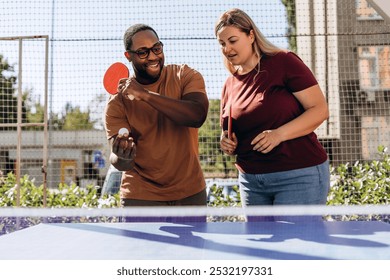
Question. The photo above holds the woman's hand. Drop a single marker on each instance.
(266, 141)
(228, 146)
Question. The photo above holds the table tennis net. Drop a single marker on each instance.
(13, 219)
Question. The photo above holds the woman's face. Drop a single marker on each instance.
(236, 45)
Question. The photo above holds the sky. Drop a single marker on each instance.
(85, 37)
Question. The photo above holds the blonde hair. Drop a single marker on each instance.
(239, 19)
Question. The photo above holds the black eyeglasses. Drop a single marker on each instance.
(144, 52)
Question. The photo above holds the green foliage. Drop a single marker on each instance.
(64, 196)
(292, 25)
(72, 118)
(222, 197)
(213, 161)
(36, 115)
(362, 183)
(225, 197)
(8, 99)
(75, 119)
(32, 111)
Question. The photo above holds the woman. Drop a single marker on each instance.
(274, 104)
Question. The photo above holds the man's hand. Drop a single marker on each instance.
(131, 89)
(124, 147)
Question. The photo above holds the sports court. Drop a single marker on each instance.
(283, 233)
(56, 59)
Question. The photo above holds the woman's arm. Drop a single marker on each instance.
(316, 112)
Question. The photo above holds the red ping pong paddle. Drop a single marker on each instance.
(230, 122)
(113, 75)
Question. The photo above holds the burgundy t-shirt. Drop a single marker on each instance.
(264, 100)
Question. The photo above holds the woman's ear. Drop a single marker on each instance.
(128, 56)
(252, 35)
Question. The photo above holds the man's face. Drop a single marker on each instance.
(147, 69)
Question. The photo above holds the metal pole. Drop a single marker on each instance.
(45, 125)
(19, 124)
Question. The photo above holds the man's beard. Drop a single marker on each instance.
(145, 76)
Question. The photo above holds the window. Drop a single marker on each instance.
(365, 11)
(374, 67)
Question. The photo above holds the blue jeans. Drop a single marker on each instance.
(300, 186)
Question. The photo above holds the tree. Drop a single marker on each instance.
(35, 111)
(213, 161)
(75, 119)
(71, 119)
(8, 100)
(96, 109)
(291, 30)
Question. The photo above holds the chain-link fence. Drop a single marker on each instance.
(346, 43)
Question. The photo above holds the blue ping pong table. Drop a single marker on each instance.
(273, 240)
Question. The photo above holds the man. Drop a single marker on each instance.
(162, 106)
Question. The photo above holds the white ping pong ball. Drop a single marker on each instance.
(123, 131)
